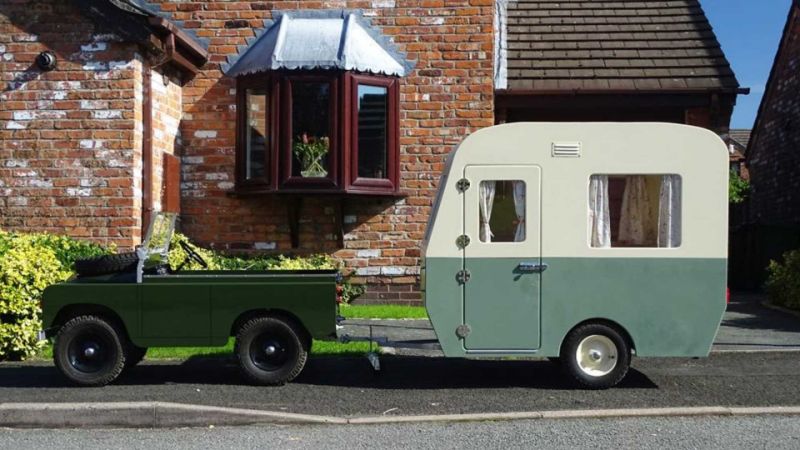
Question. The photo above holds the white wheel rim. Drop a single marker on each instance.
(596, 355)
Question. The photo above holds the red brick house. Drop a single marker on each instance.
(770, 222)
(313, 126)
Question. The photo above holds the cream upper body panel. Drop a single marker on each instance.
(696, 154)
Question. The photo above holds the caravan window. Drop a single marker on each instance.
(502, 211)
(635, 211)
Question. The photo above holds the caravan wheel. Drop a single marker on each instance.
(596, 355)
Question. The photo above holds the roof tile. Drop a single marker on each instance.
(603, 44)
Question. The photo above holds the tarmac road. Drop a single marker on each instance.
(419, 385)
(641, 433)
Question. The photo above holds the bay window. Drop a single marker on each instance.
(317, 131)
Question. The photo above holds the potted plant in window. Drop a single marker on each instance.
(310, 151)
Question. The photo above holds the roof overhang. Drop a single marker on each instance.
(137, 21)
(308, 40)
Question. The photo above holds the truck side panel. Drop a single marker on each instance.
(311, 302)
(121, 298)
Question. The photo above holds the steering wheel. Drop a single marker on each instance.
(191, 255)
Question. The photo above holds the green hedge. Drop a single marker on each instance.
(783, 283)
(31, 262)
(28, 264)
(218, 261)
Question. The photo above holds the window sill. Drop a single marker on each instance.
(350, 193)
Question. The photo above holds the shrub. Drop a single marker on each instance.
(783, 283)
(26, 268)
(738, 188)
(217, 261)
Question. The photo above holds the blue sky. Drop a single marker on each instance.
(749, 31)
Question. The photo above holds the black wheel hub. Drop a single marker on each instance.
(271, 352)
(90, 352)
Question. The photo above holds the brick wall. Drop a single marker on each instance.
(67, 137)
(449, 95)
(774, 153)
(167, 110)
(771, 214)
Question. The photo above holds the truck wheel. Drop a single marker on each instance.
(270, 350)
(134, 355)
(102, 265)
(596, 356)
(89, 351)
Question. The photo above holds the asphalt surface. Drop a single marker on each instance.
(641, 433)
(420, 385)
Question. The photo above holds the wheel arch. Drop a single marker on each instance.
(602, 321)
(278, 313)
(71, 311)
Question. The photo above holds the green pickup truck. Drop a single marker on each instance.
(104, 319)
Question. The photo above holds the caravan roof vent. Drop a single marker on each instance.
(566, 149)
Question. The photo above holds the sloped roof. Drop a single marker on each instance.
(603, 44)
(740, 135)
(320, 40)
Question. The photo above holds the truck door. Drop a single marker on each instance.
(502, 258)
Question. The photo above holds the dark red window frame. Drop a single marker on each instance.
(343, 160)
(389, 183)
(268, 84)
(285, 118)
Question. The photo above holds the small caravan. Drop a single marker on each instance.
(585, 242)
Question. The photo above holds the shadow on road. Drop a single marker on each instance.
(397, 373)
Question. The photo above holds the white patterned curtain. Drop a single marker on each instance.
(636, 227)
(519, 209)
(487, 200)
(599, 216)
(669, 212)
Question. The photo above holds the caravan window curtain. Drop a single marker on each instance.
(669, 212)
(599, 217)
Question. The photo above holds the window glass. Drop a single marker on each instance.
(310, 129)
(256, 157)
(502, 211)
(372, 131)
(635, 211)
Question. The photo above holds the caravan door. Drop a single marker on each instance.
(502, 260)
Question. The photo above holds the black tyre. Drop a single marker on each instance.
(596, 355)
(134, 355)
(102, 265)
(271, 350)
(89, 351)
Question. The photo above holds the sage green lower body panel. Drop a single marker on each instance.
(669, 307)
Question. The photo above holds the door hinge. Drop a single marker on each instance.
(462, 185)
(462, 241)
(462, 276)
(463, 330)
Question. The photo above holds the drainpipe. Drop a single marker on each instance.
(147, 150)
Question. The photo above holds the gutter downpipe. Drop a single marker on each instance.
(147, 149)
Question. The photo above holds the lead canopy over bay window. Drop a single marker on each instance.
(318, 107)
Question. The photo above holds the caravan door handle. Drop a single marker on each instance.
(532, 267)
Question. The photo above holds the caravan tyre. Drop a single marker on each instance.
(596, 355)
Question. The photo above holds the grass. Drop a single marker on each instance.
(318, 348)
(383, 312)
